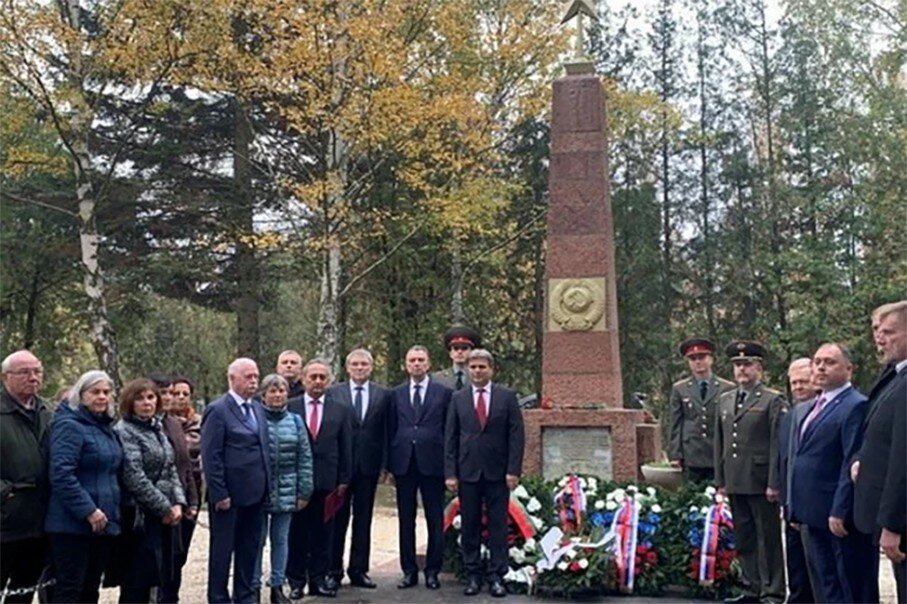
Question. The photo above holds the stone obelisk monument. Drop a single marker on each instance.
(582, 425)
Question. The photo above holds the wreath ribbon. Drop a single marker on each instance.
(625, 527)
(717, 515)
(577, 505)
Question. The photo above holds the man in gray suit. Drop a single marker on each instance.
(801, 583)
(746, 469)
(692, 412)
(459, 341)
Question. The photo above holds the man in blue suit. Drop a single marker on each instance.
(801, 581)
(234, 450)
(416, 459)
(821, 490)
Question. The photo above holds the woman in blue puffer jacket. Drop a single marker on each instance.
(291, 480)
(83, 515)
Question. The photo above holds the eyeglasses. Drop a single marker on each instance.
(27, 372)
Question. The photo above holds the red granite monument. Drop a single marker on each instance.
(582, 425)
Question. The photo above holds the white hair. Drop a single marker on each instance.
(7, 363)
(85, 382)
(802, 362)
(238, 364)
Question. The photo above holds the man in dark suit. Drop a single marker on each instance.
(879, 470)
(821, 493)
(234, 452)
(458, 341)
(329, 423)
(416, 459)
(368, 403)
(483, 456)
(746, 469)
(801, 583)
(692, 410)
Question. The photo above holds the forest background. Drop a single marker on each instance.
(187, 181)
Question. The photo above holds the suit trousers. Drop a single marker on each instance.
(432, 490)
(757, 529)
(900, 578)
(235, 535)
(494, 494)
(309, 555)
(79, 561)
(360, 504)
(847, 568)
(801, 583)
(21, 563)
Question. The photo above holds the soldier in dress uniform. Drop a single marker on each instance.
(458, 341)
(692, 411)
(746, 469)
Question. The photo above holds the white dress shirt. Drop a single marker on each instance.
(364, 386)
(900, 366)
(487, 394)
(423, 387)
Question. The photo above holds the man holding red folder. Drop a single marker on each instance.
(330, 432)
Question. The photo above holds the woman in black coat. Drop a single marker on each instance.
(153, 493)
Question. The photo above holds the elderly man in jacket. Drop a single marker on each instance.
(23, 478)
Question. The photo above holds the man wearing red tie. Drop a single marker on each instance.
(483, 456)
(330, 432)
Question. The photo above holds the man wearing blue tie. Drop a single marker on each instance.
(821, 491)
(234, 451)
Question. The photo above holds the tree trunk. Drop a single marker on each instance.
(248, 272)
(103, 337)
(457, 316)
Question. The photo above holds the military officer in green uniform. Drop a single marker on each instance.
(692, 412)
(746, 469)
(458, 340)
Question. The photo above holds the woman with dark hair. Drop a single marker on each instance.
(175, 545)
(153, 494)
(83, 515)
(181, 414)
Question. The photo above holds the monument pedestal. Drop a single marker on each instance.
(586, 430)
(608, 443)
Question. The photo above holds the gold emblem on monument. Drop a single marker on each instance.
(576, 304)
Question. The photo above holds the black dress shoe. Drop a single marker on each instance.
(322, 589)
(431, 581)
(408, 580)
(472, 588)
(277, 596)
(742, 599)
(362, 580)
(497, 589)
(333, 582)
(298, 592)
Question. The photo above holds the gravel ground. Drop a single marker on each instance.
(385, 569)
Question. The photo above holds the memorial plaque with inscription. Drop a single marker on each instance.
(578, 450)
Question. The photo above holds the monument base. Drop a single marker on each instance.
(615, 442)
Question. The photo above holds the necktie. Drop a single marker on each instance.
(482, 408)
(703, 389)
(358, 402)
(813, 414)
(250, 417)
(313, 419)
(417, 399)
(459, 379)
(741, 396)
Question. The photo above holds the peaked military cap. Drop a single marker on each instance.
(461, 334)
(745, 350)
(696, 346)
